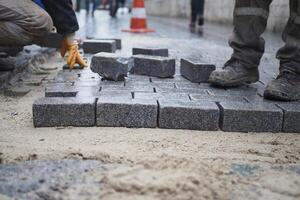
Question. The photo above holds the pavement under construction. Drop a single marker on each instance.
(118, 129)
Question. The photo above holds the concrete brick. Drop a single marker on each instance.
(137, 78)
(117, 40)
(187, 85)
(110, 66)
(151, 51)
(196, 72)
(49, 112)
(188, 115)
(177, 90)
(153, 66)
(159, 96)
(246, 117)
(120, 112)
(137, 88)
(96, 46)
(17, 91)
(217, 98)
(174, 79)
(61, 90)
(291, 116)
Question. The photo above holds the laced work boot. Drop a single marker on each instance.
(286, 87)
(234, 74)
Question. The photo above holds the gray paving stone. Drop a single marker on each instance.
(137, 78)
(196, 72)
(246, 117)
(187, 85)
(158, 96)
(188, 115)
(110, 66)
(96, 46)
(49, 112)
(61, 90)
(17, 91)
(174, 79)
(117, 40)
(120, 112)
(91, 91)
(151, 51)
(88, 83)
(177, 90)
(291, 116)
(137, 88)
(153, 66)
(217, 98)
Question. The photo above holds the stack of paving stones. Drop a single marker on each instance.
(83, 98)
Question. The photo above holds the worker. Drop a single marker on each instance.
(24, 22)
(250, 20)
(197, 12)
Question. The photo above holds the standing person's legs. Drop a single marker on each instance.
(193, 12)
(87, 6)
(250, 21)
(287, 84)
(21, 22)
(201, 13)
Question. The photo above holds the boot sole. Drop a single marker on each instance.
(279, 96)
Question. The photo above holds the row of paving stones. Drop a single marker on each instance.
(81, 98)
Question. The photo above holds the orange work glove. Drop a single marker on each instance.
(70, 45)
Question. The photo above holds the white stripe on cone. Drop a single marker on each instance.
(139, 13)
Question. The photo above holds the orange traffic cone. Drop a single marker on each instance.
(138, 19)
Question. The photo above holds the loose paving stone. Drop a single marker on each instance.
(246, 117)
(196, 72)
(61, 90)
(188, 115)
(117, 94)
(291, 117)
(120, 112)
(91, 91)
(217, 98)
(110, 66)
(151, 52)
(17, 91)
(153, 66)
(96, 46)
(50, 112)
(117, 40)
(158, 96)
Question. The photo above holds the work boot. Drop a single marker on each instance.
(234, 74)
(286, 87)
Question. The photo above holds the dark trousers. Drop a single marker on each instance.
(197, 10)
(250, 21)
(87, 5)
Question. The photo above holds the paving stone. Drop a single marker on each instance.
(158, 96)
(110, 66)
(187, 85)
(147, 84)
(177, 90)
(188, 115)
(117, 40)
(50, 112)
(90, 91)
(88, 83)
(246, 117)
(174, 79)
(96, 46)
(137, 78)
(151, 52)
(117, 94)
(217, 98)
(196, 72)
(61, 90)
(291, 116)
(153, 66)
(17, 91)
(120, 112)
(137, 88)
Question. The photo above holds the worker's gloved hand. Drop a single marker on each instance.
(70, 46)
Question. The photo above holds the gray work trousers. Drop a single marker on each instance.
(21, 22)
(250, 21)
